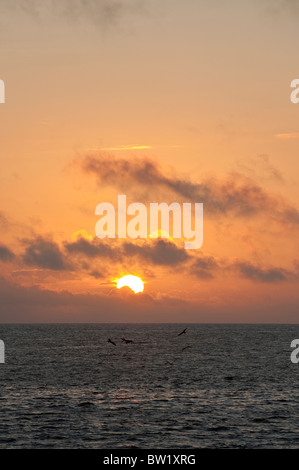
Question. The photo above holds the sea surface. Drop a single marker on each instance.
(65, 386)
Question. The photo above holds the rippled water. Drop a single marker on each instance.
(65, 386)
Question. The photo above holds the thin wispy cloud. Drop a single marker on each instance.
(98, 12)
(128, 147)
(261, 169)
(288, 135)
(3, 220)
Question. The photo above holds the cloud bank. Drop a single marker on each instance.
(236, 195)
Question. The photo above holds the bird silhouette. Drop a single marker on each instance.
(109, 341)
(182, 332)
(127, 341)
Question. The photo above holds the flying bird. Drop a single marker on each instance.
(182, 332)
(127, 341)
(109, 341)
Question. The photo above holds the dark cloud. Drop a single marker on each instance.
(156, 251)
(91, 249)
(96, 274)
(206, 262)
(255, 273)
(236, 195)
(6, 254)
(160, 252)
(45, 254)
(205, 267)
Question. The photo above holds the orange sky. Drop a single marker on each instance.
(161, 101)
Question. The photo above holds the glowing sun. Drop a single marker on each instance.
(134, 282)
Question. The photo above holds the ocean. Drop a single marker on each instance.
(217, 386)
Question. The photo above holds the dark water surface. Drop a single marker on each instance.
(64, 386)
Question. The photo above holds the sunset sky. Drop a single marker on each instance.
(164, 101)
